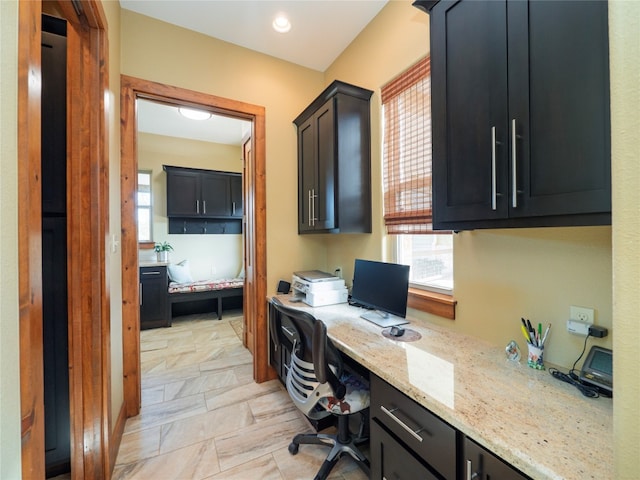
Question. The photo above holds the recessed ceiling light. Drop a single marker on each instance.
(194, 114)
(281, 24)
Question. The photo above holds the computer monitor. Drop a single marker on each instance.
(382, 287)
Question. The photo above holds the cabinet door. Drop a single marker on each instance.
(469, 110)
(154, 304)
(325, 201)
(183, 194)
(316, 171)
(390, 460)
(236, 195)
(480, 464)
(559, 104)
(216, 195)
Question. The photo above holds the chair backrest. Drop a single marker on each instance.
(316, 365)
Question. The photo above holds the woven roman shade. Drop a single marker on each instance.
(406, 103)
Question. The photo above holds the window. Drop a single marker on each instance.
(406, 105)
(145, 210)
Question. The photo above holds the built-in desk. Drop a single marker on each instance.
(543, 427)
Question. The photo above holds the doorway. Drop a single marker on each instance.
(254, 223)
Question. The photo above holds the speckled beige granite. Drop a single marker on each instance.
(544, 427)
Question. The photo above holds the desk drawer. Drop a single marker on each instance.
(427, 435)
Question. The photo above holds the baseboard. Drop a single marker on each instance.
(116, 436)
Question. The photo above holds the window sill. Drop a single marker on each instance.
(431, 302)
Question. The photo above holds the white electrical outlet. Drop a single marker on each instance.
(582, 314)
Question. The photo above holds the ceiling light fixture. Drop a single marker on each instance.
(281, 24)
(194, 114)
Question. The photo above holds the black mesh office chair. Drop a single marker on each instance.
(319, 387)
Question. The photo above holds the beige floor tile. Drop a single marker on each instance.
(223, 397)
(152, 395)
(263, 468)
(203, 383)
(166, 412)
(153, 379)
(201, 427)
(139, 445)
(194, 462)
(257, 440)
(270, 405)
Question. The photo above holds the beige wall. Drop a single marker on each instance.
(157, 51)
(114, 259)
(9, 340)
(209, 256)
(624, 27)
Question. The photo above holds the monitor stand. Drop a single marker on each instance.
(383, 319)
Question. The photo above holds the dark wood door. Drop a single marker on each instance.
(235, 184)
(183, 194)
(558, 54)
(57, 419)
(480, 464)
(154, 302)
(390, 459)
(307, 161)
(469, 109)
(215, 192)
(325, 193)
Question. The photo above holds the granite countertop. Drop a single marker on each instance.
(543, 427)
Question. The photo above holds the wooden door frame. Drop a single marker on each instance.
(131, 89)
(87, 227)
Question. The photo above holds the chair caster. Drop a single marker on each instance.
(293, 448)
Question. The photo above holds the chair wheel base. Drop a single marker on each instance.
(293, 448)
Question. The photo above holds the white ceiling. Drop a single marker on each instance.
(161, 119)
(321, 30)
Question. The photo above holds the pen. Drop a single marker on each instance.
(546, 332)
(532, 332)
(526, 335)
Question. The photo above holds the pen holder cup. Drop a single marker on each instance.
(535, 358)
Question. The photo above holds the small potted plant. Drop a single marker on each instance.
(162, 251)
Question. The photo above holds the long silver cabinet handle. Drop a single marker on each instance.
(494, 192)
(140, 293)
(514, 166)
(151, 273)
(310, 200)
(313, 206)
(470, 473)
(233, 208)
(197, 206)
(204, 207)
(406, 428)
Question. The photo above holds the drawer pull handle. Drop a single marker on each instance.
(151, 273)
(413, 433)
(471, 475)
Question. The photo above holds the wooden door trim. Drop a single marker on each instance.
(87, 219)
(131, 89)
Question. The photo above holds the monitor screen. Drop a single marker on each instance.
(381, 286)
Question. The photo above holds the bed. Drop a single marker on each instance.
(206, 290)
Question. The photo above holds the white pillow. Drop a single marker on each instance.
(180, 272)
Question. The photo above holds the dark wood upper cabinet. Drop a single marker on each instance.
(520, 107)
(334, 162)
(197, 193)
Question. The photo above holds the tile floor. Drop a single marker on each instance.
(203, 416)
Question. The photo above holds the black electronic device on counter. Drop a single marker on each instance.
(597, 369)
(382, 287)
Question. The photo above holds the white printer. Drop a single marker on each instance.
(317, 288)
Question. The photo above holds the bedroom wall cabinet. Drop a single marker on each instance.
(520, 108)
(155, 309)
(334, 162)
(200, 193)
